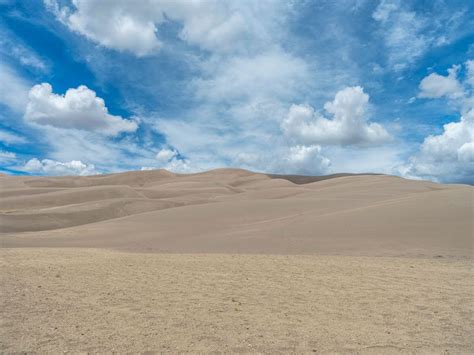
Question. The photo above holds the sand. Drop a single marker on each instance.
(236, 211)
(234, 261)
(95, 300)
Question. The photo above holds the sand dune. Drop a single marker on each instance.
(237, 211)
(236, 262)
(79, 213)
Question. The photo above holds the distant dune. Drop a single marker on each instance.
(237, 211)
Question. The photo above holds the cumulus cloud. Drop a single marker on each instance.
(52, 167)
(118, 25)
(77, 109)
(348, 126)
(134, 26)
(466, 151)
(305, 160)
(448, 156)
(435, 85)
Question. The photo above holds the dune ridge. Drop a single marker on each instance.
(238, 211)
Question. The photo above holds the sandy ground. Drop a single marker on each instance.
(97, 300)
(233, 261)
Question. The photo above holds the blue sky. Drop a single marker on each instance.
(302, 87)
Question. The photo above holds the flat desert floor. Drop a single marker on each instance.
(234, 261)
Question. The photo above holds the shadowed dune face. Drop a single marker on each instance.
(237, 211)
(302, 179)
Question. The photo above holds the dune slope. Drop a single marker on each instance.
(237, 211)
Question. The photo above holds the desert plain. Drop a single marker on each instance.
(234, 261)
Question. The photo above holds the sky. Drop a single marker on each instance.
(292, 87)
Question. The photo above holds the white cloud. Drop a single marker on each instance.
(52, 167)
(458, 91)
(165, 155)
(448, 156)
(408, 34)
(450, 144)
(435, 85)
(273, 74)
(169, 159)
(305, 160)
(466, 152)
(7, 157)
(470, 72)
(118, 27)
(375, 159)
(13, 90)
(384, 10)
(12, 46)
(68, 144)
(77, 109)
(403, 33)
(181, 166)
(242, 89)
(108, 155)
(134, 26)
(255, 126)
(9, 138)
(348, 126)
(282, 159)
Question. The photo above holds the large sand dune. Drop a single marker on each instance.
(387, 265)
(237, 211)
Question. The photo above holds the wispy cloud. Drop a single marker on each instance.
(408, 34)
